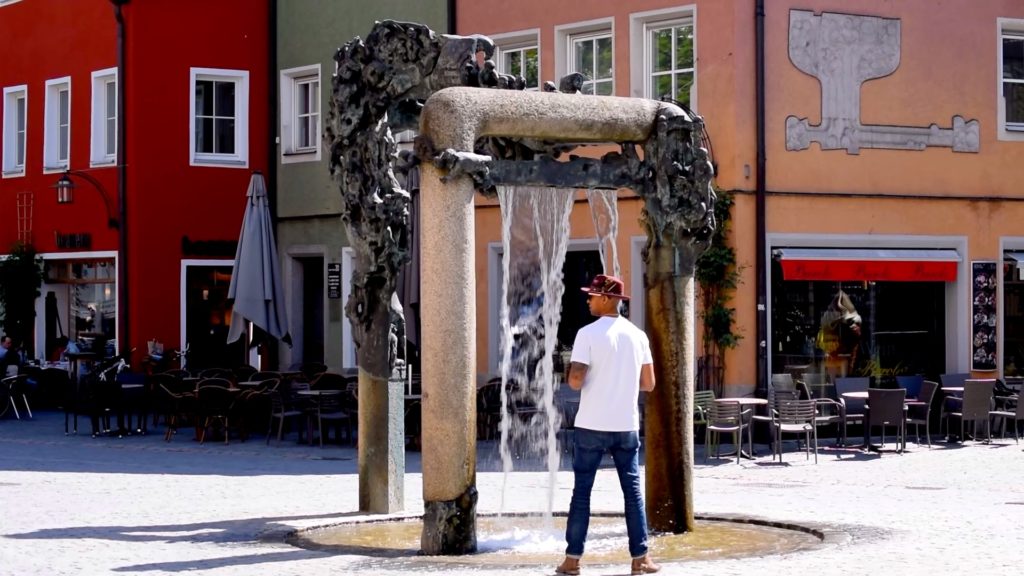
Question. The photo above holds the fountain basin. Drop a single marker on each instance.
(528, 540)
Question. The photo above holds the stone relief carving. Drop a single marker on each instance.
(843, 51)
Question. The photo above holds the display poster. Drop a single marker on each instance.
(983, 318)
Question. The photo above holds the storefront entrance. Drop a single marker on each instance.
(208, 317)
(79, 304)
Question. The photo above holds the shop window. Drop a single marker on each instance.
(104, 117)
(15, 130)
(857, 328)
(1013, 315)
(300, 114)
(57, 125)
(219, 117)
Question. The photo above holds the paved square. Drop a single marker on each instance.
(138, 505)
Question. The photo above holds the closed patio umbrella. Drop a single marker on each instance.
(256, 279)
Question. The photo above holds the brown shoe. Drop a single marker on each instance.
(569, 567)
(644, 566)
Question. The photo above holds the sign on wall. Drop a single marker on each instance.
(983, 318)
(334, 280)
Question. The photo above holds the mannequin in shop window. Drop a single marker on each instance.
(839, 335)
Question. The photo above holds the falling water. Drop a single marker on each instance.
(605, 211)
(535, 234)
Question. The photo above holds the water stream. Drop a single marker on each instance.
(535, 236)
(604, 210)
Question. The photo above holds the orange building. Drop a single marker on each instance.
(875, 151)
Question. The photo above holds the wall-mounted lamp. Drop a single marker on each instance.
(66, 187)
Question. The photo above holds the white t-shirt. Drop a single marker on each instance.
(614, 351)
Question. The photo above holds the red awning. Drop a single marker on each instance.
(882, 264)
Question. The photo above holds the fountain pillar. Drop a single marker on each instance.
(448, 311)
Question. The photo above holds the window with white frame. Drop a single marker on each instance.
(15, 130)
(103, 149)
(219, 110)
(518, 54)
(665, 39)
(57, 124)
(300, 114)
(1012, 77)
(592, 55)
(670, 60)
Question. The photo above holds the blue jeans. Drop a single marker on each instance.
(590, 447)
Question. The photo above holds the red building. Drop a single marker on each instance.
(155, 109)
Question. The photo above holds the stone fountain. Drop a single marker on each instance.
(478, 131)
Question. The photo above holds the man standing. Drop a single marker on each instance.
(611, 364)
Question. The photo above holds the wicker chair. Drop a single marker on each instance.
(974, 406)
(885, 407)
(920, 411)
(1014, 417)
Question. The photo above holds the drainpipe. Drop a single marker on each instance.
(759, 195)
(274, 102)
(452, 21)
(123, 332)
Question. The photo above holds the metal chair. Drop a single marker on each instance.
(852, 408)
(726, 417)
(796, 417)
(16, 386)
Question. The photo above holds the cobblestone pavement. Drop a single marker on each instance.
(77, 505)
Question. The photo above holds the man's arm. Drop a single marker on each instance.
(647, 377)
(577, 373)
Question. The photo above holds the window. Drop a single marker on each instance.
(300, 114)
(665, 41)
(57, 126)
(592, 56)
(15, 120)
(519, 55)
(104, 117)
(220, 117)
(1010, 93)
(587, 48)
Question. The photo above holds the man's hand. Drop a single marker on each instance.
(577, 374)
(647, 377)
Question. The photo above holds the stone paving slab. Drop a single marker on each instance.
(137, 505)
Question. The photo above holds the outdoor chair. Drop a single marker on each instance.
(774, 396)
(912, 384)
(796, 417)
(225, 373)
(16, 387)
(179, 373)
(281, 410)
(975, 405)
(328, 381)
(329, 407)
(726, 417)
(783, 381)
(214, 406)
(243, 373)
(488, 409)
(852, 408)
(818, 384)
(179, 408)
(311, 369)
(886, 407)
(264, 375)
(1015, 416)
(920, 411)
(702, 400)
(220, 382)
